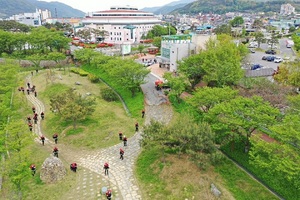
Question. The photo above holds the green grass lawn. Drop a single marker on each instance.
(96, 131)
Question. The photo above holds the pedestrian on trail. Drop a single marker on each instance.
(29, 119)
(55, 137)
(120, 135)
(22, 89)
(73, 167)
(121, 154)
(106, 167)
(55, 152)
(125, 141)
(136, 127)
(35, 118)
(35, 93)
(33, 169)
(33, 109)
(108, 194)
(43, 140)
(30, 126)
(33, 88)
(28, 85)
(42, 115)
(28, 91)
(143, 113)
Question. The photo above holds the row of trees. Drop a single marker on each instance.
(39, 40)
(14, 134)
(126, 72)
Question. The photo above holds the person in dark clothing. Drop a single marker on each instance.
(30, 126)
(136, 127)
(43, 140)
(35, 118)
(121, 154)
(42, 115)
(108, 194)
(31, 73)
(28, 91)
(125, 141)
(33, 109)
(55, 137)
(106, 167)
(29, 119)
(35, 93)
(22, 89)
(120, 135)
(28, 85)
(55, 152)
(73, 167)
(36, 71)
(143, 113)
(33, 169)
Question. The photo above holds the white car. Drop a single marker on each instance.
(278, 60)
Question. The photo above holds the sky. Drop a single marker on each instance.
(98, 5)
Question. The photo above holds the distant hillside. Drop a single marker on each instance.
(223, 6)
(168, 7)
(12, 7)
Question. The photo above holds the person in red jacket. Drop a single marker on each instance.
(136, 127)
(30, 126)
(143, 113)
(73, 167)
(108, 194)
(125, 141)
(106, 167)
(33, 169)
(55, 152)
(33, 109)
(43, 140)
(121, 154)
(55, 137)
(42, 115)
(120, 135)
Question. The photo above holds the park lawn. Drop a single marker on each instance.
(135, 104)
(96, 131)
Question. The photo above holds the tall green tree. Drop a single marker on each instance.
(86, 55)
(237, 21)
(177, 83)
(241, 117)
(73, 107)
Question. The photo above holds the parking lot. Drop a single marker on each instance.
(282, 51)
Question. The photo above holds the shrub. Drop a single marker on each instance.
(93, 78)
(109, 95)
(79, 71)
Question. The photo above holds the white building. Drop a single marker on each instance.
(45, 14)
(176, 47)
(123, 24)
(287, 9)
(30, 19)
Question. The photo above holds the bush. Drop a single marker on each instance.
(109, 95)
(79, 71)
(93, 78)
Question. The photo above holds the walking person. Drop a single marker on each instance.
(43, 140)
(35, 118)
(22, 89)
(42, 115)
(108, 194)
(55, 152)
(73, 167)
(35, 93)
(55, 137)
(29, 119)
(28, 91)
(28, 85)
(121, 154)
(33, 169)
(120, 135)
(136, 127)
(106, 167)
(33, 109)
(143, 113)
(30, 126)
(125, 141)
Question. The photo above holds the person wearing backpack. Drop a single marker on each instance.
(106, 167)
(121, 154)
(55, 137)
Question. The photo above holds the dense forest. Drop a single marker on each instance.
(223, 6)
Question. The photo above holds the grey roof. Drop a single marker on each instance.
(259, 72)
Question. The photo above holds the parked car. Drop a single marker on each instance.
(264, 58)
(256, 66)
(252, 51)
(278, 60)
(274, 47)
(270, 51)
(270, 58)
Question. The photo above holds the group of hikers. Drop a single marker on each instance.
(73, 166)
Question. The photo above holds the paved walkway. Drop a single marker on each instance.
(121, 177)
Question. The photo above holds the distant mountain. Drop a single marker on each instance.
(223, 6)
(13, 7)
(168, 7)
